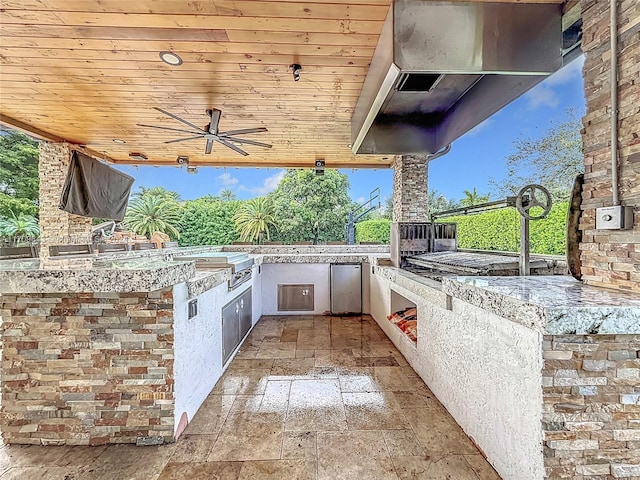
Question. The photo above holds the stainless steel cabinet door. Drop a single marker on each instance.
(230, 329)
(246, 313)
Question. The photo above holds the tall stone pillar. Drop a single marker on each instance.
(57, 227)
(410, 174)
(611, 258)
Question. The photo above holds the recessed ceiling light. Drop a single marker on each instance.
(171, 58)
(137, 156)
(119, 141)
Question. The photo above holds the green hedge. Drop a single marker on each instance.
(495, 230)
(373, 231)
(208, 222)
(500, 230)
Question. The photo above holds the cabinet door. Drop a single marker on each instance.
(230, 329)
(346, 289)
(246, 315)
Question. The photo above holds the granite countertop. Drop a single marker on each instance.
(552, 305)
(92, 274)
(318, 258)
(205, 280)
(141, 271)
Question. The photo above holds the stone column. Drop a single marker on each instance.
(410, 202)
(611, 258)
(57, 227)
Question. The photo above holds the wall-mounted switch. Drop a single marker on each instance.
(617, 217)
(193, 308)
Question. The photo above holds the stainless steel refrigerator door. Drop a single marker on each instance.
(346, 289)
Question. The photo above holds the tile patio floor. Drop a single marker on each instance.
(323, 398)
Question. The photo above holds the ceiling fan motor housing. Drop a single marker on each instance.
(228, 138)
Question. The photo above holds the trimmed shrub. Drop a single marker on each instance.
(500, 230)
(373, 231)
(494, 230)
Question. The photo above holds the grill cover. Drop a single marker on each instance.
(93, 189)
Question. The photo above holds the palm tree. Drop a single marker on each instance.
(157, 192)
(254, 218)
(20, 226)
(149, 214)
(227, 196)
(473, 198)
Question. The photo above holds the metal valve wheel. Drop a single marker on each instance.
(531, 196)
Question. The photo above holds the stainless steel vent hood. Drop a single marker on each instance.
(441, 68)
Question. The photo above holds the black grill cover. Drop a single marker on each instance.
(93, 189)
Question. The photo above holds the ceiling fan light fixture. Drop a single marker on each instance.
(140, 157)
(170, 58)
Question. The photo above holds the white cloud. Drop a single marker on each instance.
(226, 180)
(268, 185)
(360, 200)
(544, 95)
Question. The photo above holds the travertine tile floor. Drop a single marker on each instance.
(324, 398)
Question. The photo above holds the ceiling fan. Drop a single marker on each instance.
(211, 133)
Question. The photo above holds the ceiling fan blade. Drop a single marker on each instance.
(232, 147)
(175, 117)
(167, 128)
(209, 147)
(215, 120)
(244, 131)
(184, 139)
(248, 142)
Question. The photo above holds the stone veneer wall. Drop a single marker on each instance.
(57, 227)
(591, 418)
(410, 174)
(611, 258)
(87, 368)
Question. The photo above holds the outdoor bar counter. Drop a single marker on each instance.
(104, 348)
(542, 372)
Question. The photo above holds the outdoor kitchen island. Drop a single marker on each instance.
(124, 348)
(542, 372)
(96, 351)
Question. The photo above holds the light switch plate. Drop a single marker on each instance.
(193, 308)
(614, 218)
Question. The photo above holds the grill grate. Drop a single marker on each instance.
(410, 239)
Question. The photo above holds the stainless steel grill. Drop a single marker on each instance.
(410, 239)
(236, 261)
(239, 277)
(468, 263)
(239, 262)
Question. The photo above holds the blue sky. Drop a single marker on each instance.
(474, 159)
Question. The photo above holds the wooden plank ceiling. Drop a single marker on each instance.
(88, 71)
